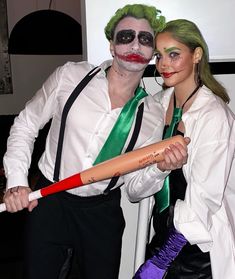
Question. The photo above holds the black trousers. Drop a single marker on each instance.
(91, 228)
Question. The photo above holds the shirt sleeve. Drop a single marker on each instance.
(24, 131)
(147, 181)
(144, 183)
(207, 173)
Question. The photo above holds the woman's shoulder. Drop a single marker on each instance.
(212, 106)
(208, 101)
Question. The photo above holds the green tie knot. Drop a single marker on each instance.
(177, 114)
(140, 93)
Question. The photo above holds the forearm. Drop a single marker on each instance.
(144, 183)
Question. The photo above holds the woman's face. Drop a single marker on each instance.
(174, 61)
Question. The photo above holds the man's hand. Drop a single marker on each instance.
(17, 198)
(175, 156)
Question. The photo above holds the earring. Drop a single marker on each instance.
(155, 77)
(197, 74)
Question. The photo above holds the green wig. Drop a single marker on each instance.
(187, 33)
(139, 11)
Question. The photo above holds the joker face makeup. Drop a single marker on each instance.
(174, 61)
(132, 45)
(127, 36)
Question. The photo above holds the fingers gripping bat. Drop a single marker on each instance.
(120, 165)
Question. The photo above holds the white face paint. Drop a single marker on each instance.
(132, 46)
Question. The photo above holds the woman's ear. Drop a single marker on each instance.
(198, 52)
(111, 48)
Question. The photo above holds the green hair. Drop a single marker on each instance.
(187, 33)
(139, 11)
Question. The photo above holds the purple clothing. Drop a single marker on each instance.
(156, 266)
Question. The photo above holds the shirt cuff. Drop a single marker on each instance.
(160, 174)
(16, 179)
(187, 223)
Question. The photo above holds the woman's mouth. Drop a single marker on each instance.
(167, 75)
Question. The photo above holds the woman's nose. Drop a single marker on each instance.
(163, 62)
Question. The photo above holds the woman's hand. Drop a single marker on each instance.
(175, 156)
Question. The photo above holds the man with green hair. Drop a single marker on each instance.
(151, 14)
(113, 114)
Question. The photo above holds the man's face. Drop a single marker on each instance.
(133, 44)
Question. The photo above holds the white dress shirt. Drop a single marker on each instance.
(206, 216)
(88, 125)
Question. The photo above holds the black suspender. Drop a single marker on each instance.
(131, 144)
(65, 112)
(66, 109)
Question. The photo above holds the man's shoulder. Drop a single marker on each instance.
(78, 66)
(76, 70)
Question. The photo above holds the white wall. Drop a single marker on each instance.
(30, 71)
(216, 21)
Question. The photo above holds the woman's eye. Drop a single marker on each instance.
(174, 55)
(157, 56)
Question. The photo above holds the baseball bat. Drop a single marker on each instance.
(120, 165)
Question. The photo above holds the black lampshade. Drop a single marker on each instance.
(46, 32)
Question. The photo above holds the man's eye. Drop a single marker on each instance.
(146, 39)
(125, 36)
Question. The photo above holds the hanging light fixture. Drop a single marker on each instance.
(46, 32)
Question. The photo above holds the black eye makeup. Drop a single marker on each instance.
(145, 38)
(127, 36)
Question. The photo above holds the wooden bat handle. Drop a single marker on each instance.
(129, 162)
(120, 165)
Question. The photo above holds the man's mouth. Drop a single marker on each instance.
(134, 58)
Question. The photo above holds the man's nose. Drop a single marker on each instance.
(135, 44)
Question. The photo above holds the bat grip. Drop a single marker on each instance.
(32, 196)
(2, 207)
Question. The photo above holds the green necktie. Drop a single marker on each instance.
(119, 133)
(162, 198)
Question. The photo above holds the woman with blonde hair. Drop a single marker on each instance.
(194, 212)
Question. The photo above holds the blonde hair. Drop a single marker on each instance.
(187, 33)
